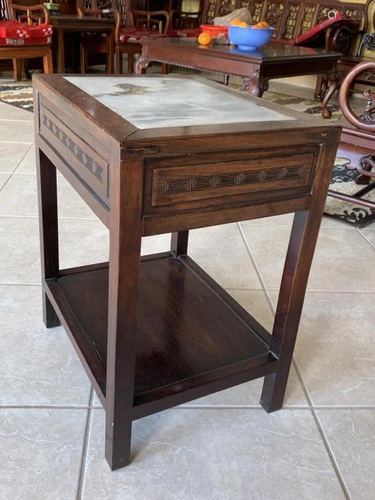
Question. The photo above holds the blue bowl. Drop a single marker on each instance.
(249, 38)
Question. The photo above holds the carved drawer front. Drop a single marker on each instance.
(77, 155)
(191, 183)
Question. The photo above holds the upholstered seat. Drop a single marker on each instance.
(14, 33)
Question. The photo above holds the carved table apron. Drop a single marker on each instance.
(157, 331)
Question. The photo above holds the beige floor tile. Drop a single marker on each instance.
(221, 252)
(19, 250)
(8, 112)
(3, 179)
(341, 259)
(13, 131)
(369, 235)
(351, 435)
(332, 350)
(221, 454)
(40, 452)
(11, 154)
(28, 164)
(20, 198)
(37, 366)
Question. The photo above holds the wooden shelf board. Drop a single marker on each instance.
(191, 333)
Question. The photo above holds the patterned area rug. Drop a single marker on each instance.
(20, 95)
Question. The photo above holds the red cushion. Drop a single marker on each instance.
(14, 33)
(133, 35)
(187, 32)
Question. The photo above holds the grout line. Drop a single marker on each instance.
(304, 387)
(255, 267)
(44, 407)
(235, 407)
(322, 433)
(15, 170)
(12, 120)
(17, 142)
(365, 237)
(331, 455)
(85, 447)
(327, 291)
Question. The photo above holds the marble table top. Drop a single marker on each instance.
(153, 102)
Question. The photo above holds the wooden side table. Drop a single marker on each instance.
(157, 331)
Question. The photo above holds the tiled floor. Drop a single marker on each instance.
(320, 446)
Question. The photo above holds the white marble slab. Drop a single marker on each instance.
(172, 102)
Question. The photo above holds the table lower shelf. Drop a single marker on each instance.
(193, 338)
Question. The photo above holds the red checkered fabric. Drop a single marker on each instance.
(133, 35)
(14, 33)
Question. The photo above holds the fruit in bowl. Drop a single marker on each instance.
(250, 37)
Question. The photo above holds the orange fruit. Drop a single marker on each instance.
(235, 22)
(204, 38)
(261, 25)
(243, 25)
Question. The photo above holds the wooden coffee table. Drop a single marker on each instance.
(153, 155)
(257, 67)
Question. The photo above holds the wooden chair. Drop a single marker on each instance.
(32, 42)
(357, 142)
(131, 25)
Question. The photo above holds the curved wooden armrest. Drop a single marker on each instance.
(31, 8)
(347, 111)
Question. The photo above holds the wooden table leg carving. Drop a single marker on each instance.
(142, 64)
(256, 84)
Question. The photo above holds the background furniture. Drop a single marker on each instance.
(102, 27)
(34, 41)
(357, 141)
(257, 67)
(157, 331)
(131, 25)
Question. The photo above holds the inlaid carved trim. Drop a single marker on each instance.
(231, 179)
(85, 159)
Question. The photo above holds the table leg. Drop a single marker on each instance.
(179, 243)
(124, 264)
(48, 228)
(60, 51)
(333, 78)
(142, 64)
(110, 52)
(47, 63)
(299, 257)
(256, 84)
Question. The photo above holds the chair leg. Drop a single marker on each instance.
(164, 69)
(130, 63)
(48, 63)
(226, 80)
(110, 54)
(83, 59)
(118, 61)
(17, 70)
(25, 68)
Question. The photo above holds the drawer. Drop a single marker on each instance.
(87, 164)
(211, 184)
